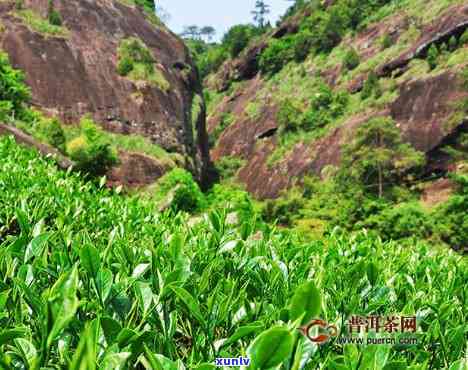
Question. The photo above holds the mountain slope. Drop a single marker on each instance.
(249, 107)
(72, 69)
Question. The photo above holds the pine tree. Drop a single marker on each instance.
(377, 154)
(208, 32)
(262, 9)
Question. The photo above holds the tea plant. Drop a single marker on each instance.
(93, 279)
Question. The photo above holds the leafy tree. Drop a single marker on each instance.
(262, 9)
(208, 32)
(377, 154)
(237, 38)
(192, 32)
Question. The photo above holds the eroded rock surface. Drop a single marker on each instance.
(76, 74)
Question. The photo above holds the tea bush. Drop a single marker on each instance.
(93, 279)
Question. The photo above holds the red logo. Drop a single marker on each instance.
(326, 331)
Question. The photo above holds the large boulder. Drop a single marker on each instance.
(75, 73)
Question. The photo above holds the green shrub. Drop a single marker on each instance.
(19, 4)
(137, 63)
(351, 59)
(453, 43)
(184, 193)
(325, 106)
(406, 220)
(43, 26)
(371, 87)
(125, 66)
(464, 38)
(53, 15)
(52, 132)
(147, 5)
(228, 166)
(285, 209)
(433, 56)
(6, 111)
(386, 41)
(91, 151)
(465, 78)
(135, 50)
(13, 91)
(302, 45)
(451, 217)
(211, 60)
(278, 53)
(98, 266)
(237, 38)
(232, 199)
(288, 116)
(54, 18)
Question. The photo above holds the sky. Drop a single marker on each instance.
(221, 14)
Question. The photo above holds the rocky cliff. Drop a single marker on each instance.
(425, 103)
(72, 71)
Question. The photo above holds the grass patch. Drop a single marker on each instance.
(41, 25)
(130, 143)
(137, 63)
(149, 13)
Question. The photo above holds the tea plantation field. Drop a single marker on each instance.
(93, 279)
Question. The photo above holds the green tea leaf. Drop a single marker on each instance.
(372, 273)
(90, 259)
(104, 279)
(27, 350)
(242, 332)
(7, 336)
(111, 329)
(306, 301)
(190, 302)
(271, 348)
(62, 303)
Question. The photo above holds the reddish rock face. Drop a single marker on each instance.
(452, 23)
(422, 111)
(74, 75)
